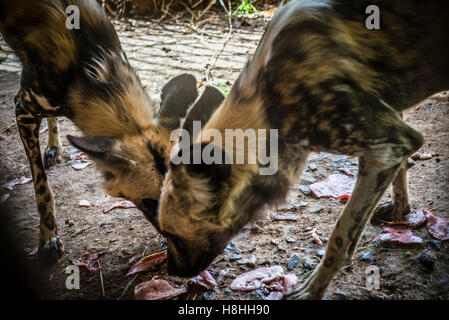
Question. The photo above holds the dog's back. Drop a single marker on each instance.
(51, 50)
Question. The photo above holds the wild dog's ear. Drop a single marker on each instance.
(209, 101)
(213, 165)
(101, 148)
(176, 97)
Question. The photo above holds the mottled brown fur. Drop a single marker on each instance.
(326, 83)
(85, 75)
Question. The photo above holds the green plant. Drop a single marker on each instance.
(244, 7)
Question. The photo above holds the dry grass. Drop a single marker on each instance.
(163, 7)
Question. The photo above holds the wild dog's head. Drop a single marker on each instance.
(199, 209)
(134, 164)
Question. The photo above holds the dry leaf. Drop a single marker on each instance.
(147, 263)
(122, 204)
(86, 262)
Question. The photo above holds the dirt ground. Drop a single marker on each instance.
(158, 52)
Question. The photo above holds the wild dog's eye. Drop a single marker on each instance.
(108, 175)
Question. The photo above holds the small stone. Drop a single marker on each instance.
(426, 261)
(308, 181)
(84, 204)
(209, 295)
(293, 262)
(280, 246)
(300, 204)
(443, 280)
(316, 209)
(367, 256)
(258, 294)
(312, 166)
(321, 252)
(289, 217)
(235, 257)
(289, 240)
(305, 189)
(265, 262)
(250, 261)
(307, 263)
(232, 247)
(348, 267)
(436, 243)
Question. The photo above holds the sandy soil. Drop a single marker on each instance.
(159, 52)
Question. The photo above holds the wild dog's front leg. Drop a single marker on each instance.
(50, 246)
(53, 152)
(378, 167)
(343, 240)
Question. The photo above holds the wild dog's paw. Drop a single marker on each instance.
(52, 156)
(388, 212)
(50, 251)
(304, 292)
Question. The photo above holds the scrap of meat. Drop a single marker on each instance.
(81, 161)
(438, 227)
(148, 263)
(82, 165)
(80, 156)
(282, 286)
(121, 203)
(313, 233)
(87, 261)
(254, 279)
(157, 289)
(398, 234)
(417, 219)
(204, 280)
(17, 181)
(334, 186)
(272, 278)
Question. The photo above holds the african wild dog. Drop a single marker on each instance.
(327, 84)
(85, 75)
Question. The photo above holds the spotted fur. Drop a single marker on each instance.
(327, 84)
(84, 74)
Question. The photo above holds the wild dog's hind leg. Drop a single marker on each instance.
(378, 166)
(50, 246)
(53, 152)
(397, 209)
